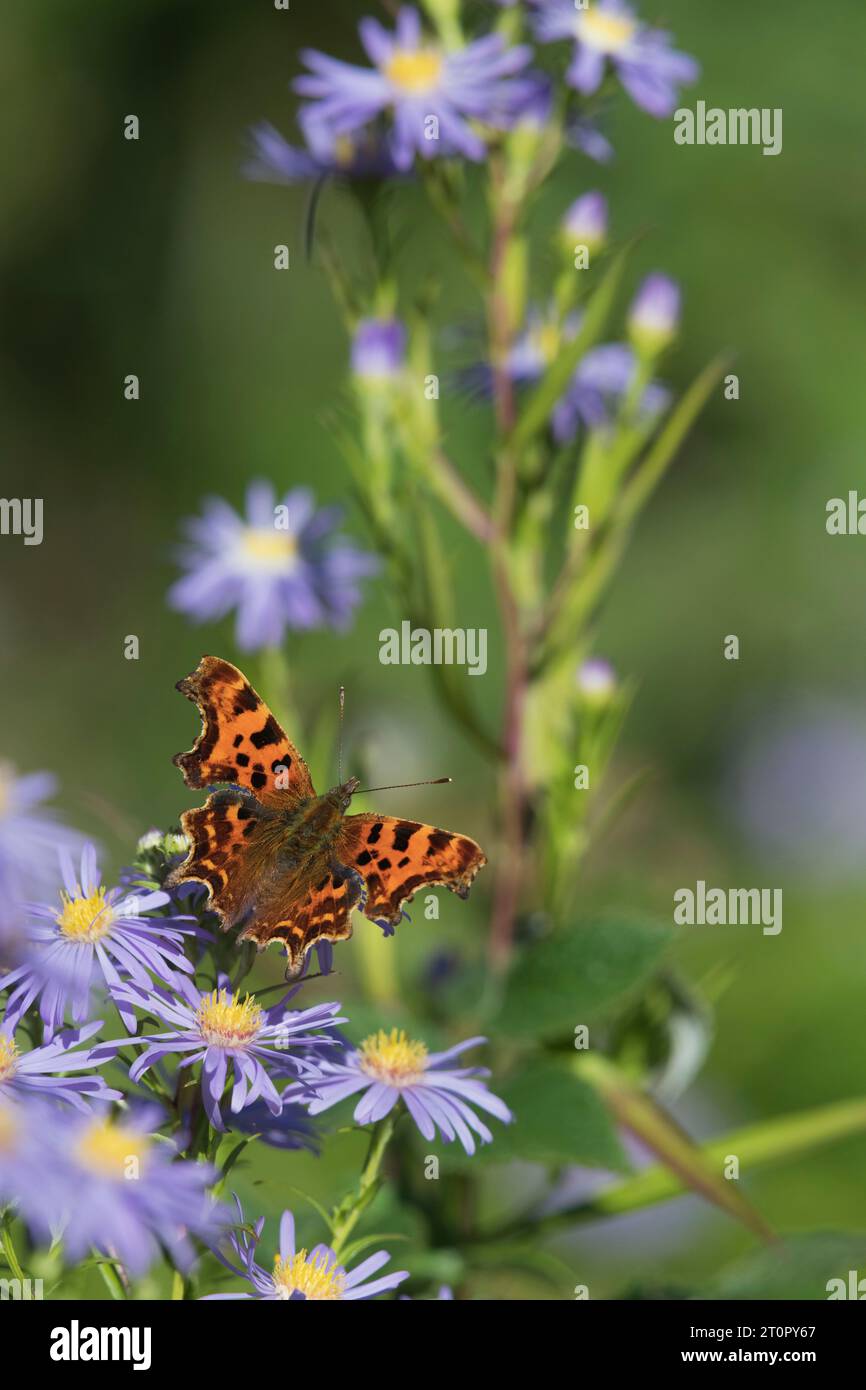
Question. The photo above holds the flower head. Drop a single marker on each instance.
(378, 350)
(434, 95)
(274, 160)
(601, 381)
(585, 222)
(44, 1071)
(609, 31)
(233, 1038)
(93, 934)
(389, 1067)
(655, 314)
(115, 1186)
(596, 681)
(30, 836)
(301, 1275)
(281, 566)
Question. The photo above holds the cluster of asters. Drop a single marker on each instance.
(92, 1161)
(424, 95)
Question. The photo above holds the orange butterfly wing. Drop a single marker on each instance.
(396, 857)
(306, 913)
(241, 741)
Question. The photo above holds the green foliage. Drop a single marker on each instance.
(576, 973)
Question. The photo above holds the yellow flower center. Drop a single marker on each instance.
(310, 1275)
(416, 71)
(112, 1152)
(227, 1022)
(545, 341)
(9, 1055)
(344, 151)
(392, 1057)
(85, 919)
(609, 33)
(269, 548)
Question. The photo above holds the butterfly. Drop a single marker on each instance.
(288, 865)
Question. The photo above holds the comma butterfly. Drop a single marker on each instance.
(287, 864)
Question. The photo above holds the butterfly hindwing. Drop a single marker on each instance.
(241, 741)
(397, 857)
(317, 909)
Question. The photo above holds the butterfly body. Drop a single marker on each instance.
(286, 864)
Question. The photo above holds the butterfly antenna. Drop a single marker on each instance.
(340, 745)
(397, 786)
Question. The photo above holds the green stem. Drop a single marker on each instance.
(352, 1208)
(9, 1248)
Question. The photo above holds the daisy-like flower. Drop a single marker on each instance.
(378, 350)
(43, 1071)
(610, 31)
(94, 934)
(233, 1038)
(585, 222)
(117, 1187)
(596, 681)
(298, 1275)
(434, 94)
(30, 837)
(281, 567)
(389, 1067)
(602, 379)
(654, 316)
(274, 160)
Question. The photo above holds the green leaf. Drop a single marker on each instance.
(649, 1122)
(756, 1146)
(557, 1119)
(662, 452)
(577, 973)
(552, 385)
(799, 1267)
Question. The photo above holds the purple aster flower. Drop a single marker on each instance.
(654, 317)
(647, 66)
(585, 222)
(223, 1031)
(94, 934)
(378, 350)
(596, 681)
(291, 1129)
(118, 1188)
(30, 836)
(43, 1070)
(432, 93)
(281, 567)
(583, 134)
(298, 1275)
(390, 1066)
(276, 161)
(601, 381)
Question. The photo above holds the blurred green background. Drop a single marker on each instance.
(155, 258)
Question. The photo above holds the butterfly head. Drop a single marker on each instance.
(343, 794)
